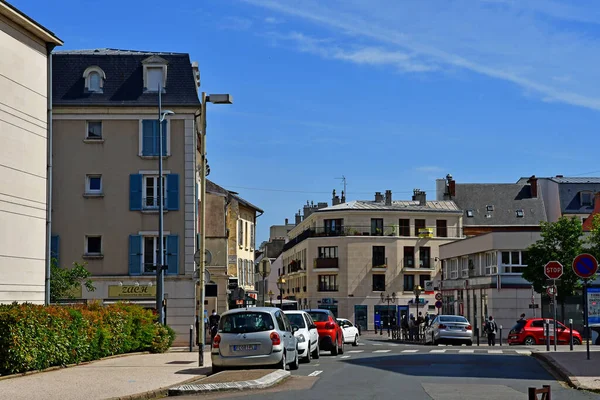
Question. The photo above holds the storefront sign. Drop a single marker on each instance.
(126, 291)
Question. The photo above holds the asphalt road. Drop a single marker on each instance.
(383, 370)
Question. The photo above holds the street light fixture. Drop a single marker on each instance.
(215, 99)
(160, 268)
(281, 286)
(417, 292)
(271, 297)
(389, 299)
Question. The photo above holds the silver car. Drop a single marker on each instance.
(252, 337)
(452, 329)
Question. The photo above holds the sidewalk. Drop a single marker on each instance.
(574, 367)
(120, 377)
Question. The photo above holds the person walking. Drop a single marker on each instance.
(491, 328)
(213, 323)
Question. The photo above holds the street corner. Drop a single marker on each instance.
(558, 370)
(233, 380)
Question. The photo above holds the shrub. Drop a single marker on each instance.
(34, 337)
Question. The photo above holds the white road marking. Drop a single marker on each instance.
(524, 352)
(495, 351)
(345, 357)
(355, 351)
(438, 351)
(466, 351)
(381, 351)
(377, 344)
(315, 373)
(394, 345)
(409, 351)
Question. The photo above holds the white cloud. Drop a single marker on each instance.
(273, 20)
(522, 42)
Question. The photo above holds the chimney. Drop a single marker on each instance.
(378, 197)
(286, 222)
(419, 196)
(343, 197)
(298, 218)
(335, 200)
(534, 186)
(560, 176)
(451, 186)
(388, 197)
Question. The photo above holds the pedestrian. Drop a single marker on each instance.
(411, 327)
(491, 330)
(213, 323)
(522, 319)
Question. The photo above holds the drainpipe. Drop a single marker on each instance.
(49, 48)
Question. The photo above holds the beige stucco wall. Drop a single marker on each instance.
(238, 250)
(23, 159)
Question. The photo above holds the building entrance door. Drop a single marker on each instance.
(360, 317)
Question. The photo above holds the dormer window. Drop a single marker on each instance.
(155, 74)
(520, 213)
(489, 207)
(94, 79)
(470, 213)
(586, 198)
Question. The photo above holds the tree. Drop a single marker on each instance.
(561, 241)
(593, 239)
(63, 281)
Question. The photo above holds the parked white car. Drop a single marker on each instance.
(351, 333)
(307, 334)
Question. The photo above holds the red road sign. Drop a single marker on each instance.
(551, 290)
(585, 265)
(438, 296)
(553, 270)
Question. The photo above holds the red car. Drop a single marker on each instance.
(331, 336)
(532, 331)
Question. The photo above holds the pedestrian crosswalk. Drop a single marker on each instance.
(440, 351)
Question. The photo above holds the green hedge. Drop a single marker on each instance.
(34, 337)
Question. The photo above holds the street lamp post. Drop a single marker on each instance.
(389, 299)
(281, 286)
(215, 99)
(417, 292)
(160, 268)
(271, 297)
(264, 269)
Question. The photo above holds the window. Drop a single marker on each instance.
(149, 135)
(246, 234)
(441, 228)
(241, 271)
(328, 252)
(154, 76)
(419, 224)
(252, 238)
(409, 257)
(94, 130)
(94, 79)
(409, 283)
(491, 263)
(334, 226)
(328, 283)
(489, 207)
(151, 192)
(423, 279)
(93, 184)
(454, 268)
(241, 233)
(151, 254)
(93, 245)
(404, 227)
(248, 322)
(376, 226)
(520, 213)
(464, 267)
(378, 256)
(586, 198)
(378, 282)
(513, 262)
(470, 213)
(425, 257)
(94, 85)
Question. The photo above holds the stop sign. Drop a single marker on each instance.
(553, 270)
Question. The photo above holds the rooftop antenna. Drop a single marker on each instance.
(343, 178)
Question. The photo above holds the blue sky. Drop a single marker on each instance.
(391, 94)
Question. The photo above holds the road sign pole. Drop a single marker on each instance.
(555, 298)
(585, 266)
(586, 317)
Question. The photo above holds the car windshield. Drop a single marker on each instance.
(296, 319)
(246, 322)
(453, 319)
(319, 316)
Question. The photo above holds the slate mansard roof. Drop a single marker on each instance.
(438, 206)
(124, 84)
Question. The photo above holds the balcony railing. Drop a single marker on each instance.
(365, 230)
(379, 262)
(326, 263)
(327, 288)
(151, 203)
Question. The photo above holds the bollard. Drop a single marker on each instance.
(571, 334)
(547, 335)
(191, 338)
(432, 338)
(500, 335)
(477, 334)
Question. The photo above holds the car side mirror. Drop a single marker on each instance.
(313, 326)
(295, 328)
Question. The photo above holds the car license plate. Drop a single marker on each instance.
(454, 328)
(245, 347)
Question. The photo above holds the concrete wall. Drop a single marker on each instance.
(23, 160)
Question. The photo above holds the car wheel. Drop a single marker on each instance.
(342, 348)
(295, 364)
(282, 364)
(470, 343)
(308, 355)
(334, 348)
(316, 353)
(529, 341)
(355, 341)
(576, 341)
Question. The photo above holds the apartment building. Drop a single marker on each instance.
(105, 176)
(349, 257)
(24, 137)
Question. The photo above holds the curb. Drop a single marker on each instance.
(562, 373)
(57, 367)
(262, 383)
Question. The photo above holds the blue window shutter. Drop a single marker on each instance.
(164, 137)
(135, 192)
(135, 254)
(173, 254)
(55, 248)
(148, 138)
(173, 192)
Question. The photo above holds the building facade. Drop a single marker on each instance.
(25, 90)
(350, 256)
(105, 176)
